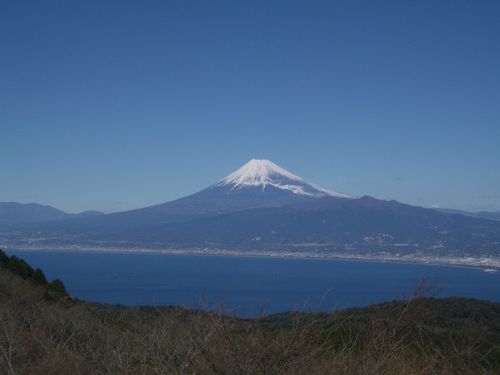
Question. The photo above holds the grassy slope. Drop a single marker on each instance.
(40, 334)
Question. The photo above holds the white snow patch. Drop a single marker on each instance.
(264, 172)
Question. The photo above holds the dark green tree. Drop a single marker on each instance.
(38, 277)
(57, 288)
(4, 259)
(20, 267)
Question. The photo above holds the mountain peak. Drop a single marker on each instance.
(263, 173)
(257, 172)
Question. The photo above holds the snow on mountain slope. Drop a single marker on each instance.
(257, 184)
(263, 173)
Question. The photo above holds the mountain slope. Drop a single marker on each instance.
(265, 174)
(257, 184)
(328, 226)
(20, 213)
(262, 207)
(330, 223)
(490, 215)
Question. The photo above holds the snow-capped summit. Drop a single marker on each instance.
(257, 184)
(257, 172)
(265, 173)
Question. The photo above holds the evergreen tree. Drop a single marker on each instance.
(20, 267)
(57, 287)
(4, 259)
(38, 277)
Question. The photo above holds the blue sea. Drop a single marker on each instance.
(250, 286)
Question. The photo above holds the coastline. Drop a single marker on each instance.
(455, 262)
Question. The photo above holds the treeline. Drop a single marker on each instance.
(54, 289)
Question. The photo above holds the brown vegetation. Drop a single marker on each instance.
(40, 335)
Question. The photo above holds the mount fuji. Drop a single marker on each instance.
(257, 184)
(261, 208)
(264, 174)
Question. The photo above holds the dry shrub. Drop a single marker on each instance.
(38, 336)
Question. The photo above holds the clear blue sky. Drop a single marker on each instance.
(112, 105)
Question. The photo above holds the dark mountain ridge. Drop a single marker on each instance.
(21, 213)
(490, 215)
(327, 222)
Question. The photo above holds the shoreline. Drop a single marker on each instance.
(492, 268)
